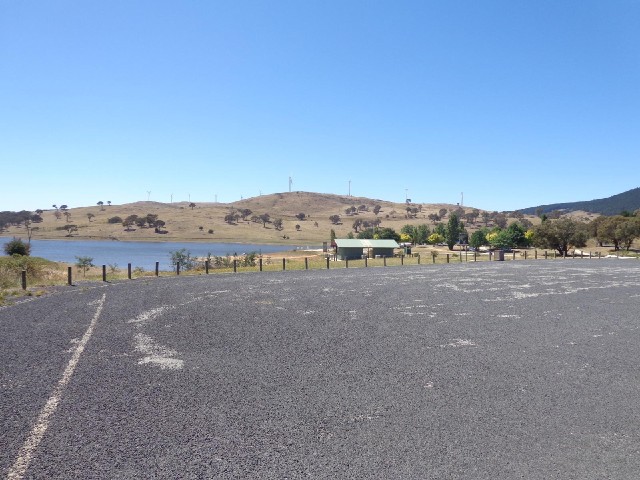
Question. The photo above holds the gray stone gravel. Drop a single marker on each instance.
(479, 371)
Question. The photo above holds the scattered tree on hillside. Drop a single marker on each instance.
(376, 210)
(442, 213)
(298, 227)
(158, 226)
(265, 218)
(101, 204)
(90, 216)
(128, 222)
(67, 214)
(501, 220)
(434, 217)
(301, 216)
(245, 213)
(334, 219)
(115, 219)
(277, 224)
(109, 202)
(192, 205)
(356, 225)
(70, 229)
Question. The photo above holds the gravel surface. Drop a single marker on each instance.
(479, 371)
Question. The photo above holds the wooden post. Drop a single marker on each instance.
(418, 259)
(384, 258)
(157, 268)
(206, 267)
(535, 254)
(178, 268)
(129, 271)
(525, 254)
(346, 263)
(284, 262)
(545, 254)
(69, 275)
(366, 264)
(433, 256)
(460, 256)
(104, 273)
(235, 266)
(475, 256)
(260, 263)
(447, 258)
(24, 279)
(306, 263)
(514, 255)
(401, 259)
(327, 262)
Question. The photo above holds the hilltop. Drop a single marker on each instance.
(185, 222)
(629, 201)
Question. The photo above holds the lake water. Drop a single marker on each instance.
(139, 254)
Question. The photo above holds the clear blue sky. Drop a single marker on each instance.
(514, 103)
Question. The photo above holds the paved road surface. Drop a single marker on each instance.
(478, 371)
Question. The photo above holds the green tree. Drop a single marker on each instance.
(435, 238)
(560, 235)
(17, 247)
(478, 238)
(453, 231)
(84, 264)
(182, 256)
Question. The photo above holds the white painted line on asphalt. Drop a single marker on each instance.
(41, 425)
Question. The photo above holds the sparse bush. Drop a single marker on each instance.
(115, 220)
(84, 264)
(17, 247)
(183, 256)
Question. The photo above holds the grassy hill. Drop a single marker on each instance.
(629, 200)
(183, 222)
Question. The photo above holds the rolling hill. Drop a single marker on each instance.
(629, 201)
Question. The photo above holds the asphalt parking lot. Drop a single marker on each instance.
(524, 369)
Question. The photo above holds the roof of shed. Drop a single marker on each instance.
(365, 243)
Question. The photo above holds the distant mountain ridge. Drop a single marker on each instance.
(629, 200)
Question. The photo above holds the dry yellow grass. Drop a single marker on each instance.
(183, 222)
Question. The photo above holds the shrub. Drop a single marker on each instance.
(183, 256)
(17, 247)
(115, 220)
